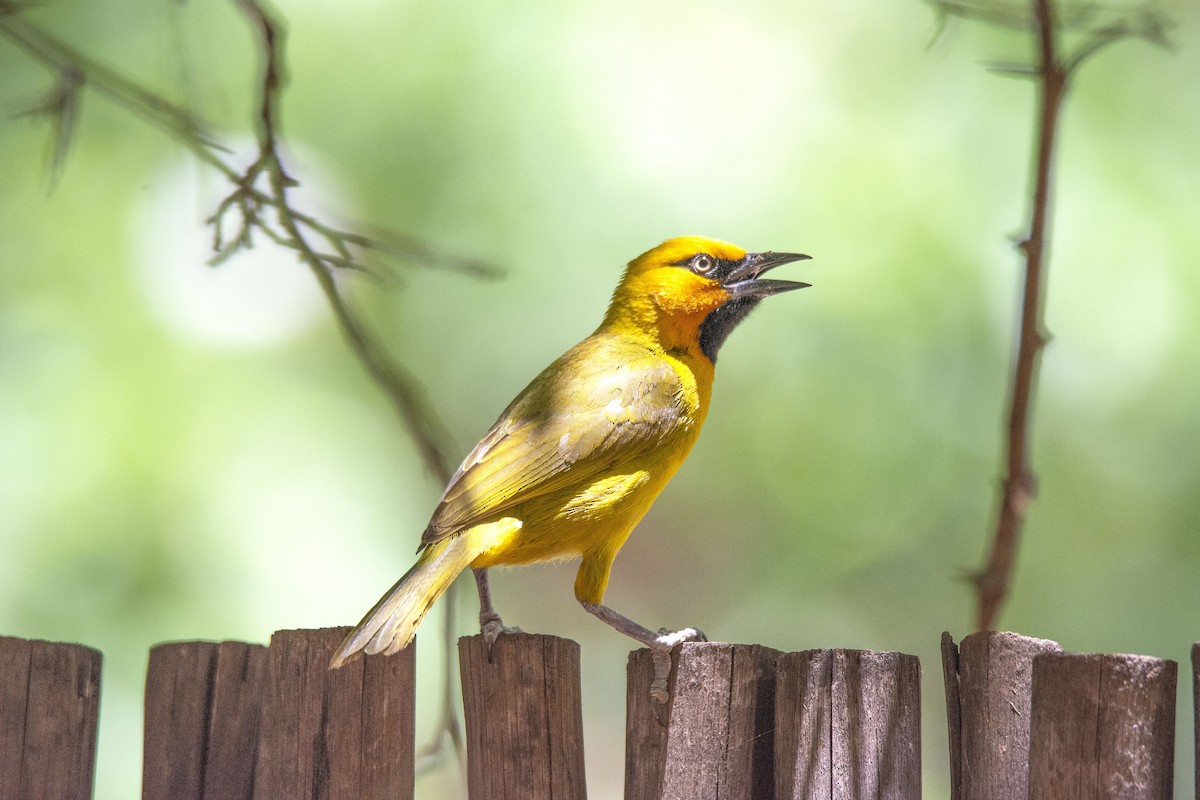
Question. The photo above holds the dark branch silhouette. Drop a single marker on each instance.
(1052, 72)
(296, 231)
(260, 203)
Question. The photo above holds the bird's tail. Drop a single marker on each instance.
(392, 623)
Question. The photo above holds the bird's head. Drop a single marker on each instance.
(692, 291)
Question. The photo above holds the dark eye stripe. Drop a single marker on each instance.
(719, 270)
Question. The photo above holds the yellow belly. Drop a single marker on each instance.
(601, 515)
(592, 518)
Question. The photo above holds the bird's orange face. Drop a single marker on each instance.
(678, 275)
(694, 290)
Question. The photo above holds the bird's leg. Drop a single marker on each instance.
(660, 643)
(490, 624)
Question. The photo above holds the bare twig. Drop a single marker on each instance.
(1086, 16)
(260, 203)
(1020, 486)
(402, 388)
(447, 735)
(267, 210)
(1053, 73)
(61, 105)
(295, 230)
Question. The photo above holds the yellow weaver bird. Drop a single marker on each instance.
(577, 459)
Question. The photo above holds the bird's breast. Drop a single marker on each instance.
(601, 496)
(619, 416)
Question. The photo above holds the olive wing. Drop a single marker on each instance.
(594, 409)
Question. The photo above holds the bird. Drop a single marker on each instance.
(575, 461)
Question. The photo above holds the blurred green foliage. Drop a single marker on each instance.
(192, 453)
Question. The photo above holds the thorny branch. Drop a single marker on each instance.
(1053, 73)
(260, 203)
(296, 231)
(402, 388)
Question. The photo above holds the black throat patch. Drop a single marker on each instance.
(717, 326)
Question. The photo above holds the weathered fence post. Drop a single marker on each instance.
(344, 734)
(714, 737)
(202, 709)
(524, 720)
(49, 699)
(848, 726)
(1103, 726)
(989, 680)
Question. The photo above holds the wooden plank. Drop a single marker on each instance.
(14, 700)
(283, 765)
(201, 729)
(178, 697)
(49, 706)
(804, 725)
(993, 676)
(876, 702)
(386, 765)
(524, 720)
(849, 725)
(1196, 710)
(236, 703)
(750, 758)
(714, 738)
(645, 728)
(338, 734)
(1103, 726)
(950, 667)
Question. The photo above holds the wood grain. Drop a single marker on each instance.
(848, 725)
(49, 707)
(993, 687)
(1103, 726)
(344, 734)
(950, 682)
(1196, 710)
(201, 727)
(714, 738)
(524, 720)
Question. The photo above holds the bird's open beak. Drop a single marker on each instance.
(744, 280)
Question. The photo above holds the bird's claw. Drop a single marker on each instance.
(660, 652)
(669, 638)
(491, 628)
(659, 691)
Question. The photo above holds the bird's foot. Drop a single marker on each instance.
(660, 652)
(491, 627)
(671, 638)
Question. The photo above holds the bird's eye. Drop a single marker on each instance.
(703, 263)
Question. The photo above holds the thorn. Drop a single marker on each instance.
(941, 17)
(1011, 70)
(974, 577)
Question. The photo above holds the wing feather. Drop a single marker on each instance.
(602, 403)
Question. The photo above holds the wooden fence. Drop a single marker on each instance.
(235, 721)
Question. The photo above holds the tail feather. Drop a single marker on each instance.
(392, 623)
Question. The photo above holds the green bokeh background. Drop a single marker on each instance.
(192, 453)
